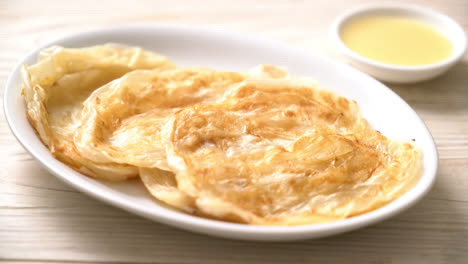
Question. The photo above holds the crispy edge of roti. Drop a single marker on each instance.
(50, 68)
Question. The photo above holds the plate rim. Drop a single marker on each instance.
(214, 227)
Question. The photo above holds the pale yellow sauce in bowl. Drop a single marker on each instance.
(399, 43)
(396, 40)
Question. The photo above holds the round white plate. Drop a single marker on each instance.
(221, 50)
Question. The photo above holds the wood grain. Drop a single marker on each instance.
(44, 221)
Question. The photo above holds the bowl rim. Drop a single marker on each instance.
(342, 19)
(207, 226)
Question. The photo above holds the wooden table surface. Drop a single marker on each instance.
(42, 220)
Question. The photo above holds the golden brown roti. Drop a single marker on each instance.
(57, 85)
(121, 121)
(280, 153)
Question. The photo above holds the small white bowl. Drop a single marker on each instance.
(396, 73)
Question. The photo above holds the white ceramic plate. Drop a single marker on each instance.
(230, 51)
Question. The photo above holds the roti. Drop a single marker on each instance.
(57, 85)
(282, 153)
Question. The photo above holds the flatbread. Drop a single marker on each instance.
(279, 152)
(57, 85)
(121, 121)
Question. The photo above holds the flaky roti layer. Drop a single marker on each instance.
(121, 121)
(57, 85)
(280, 153)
